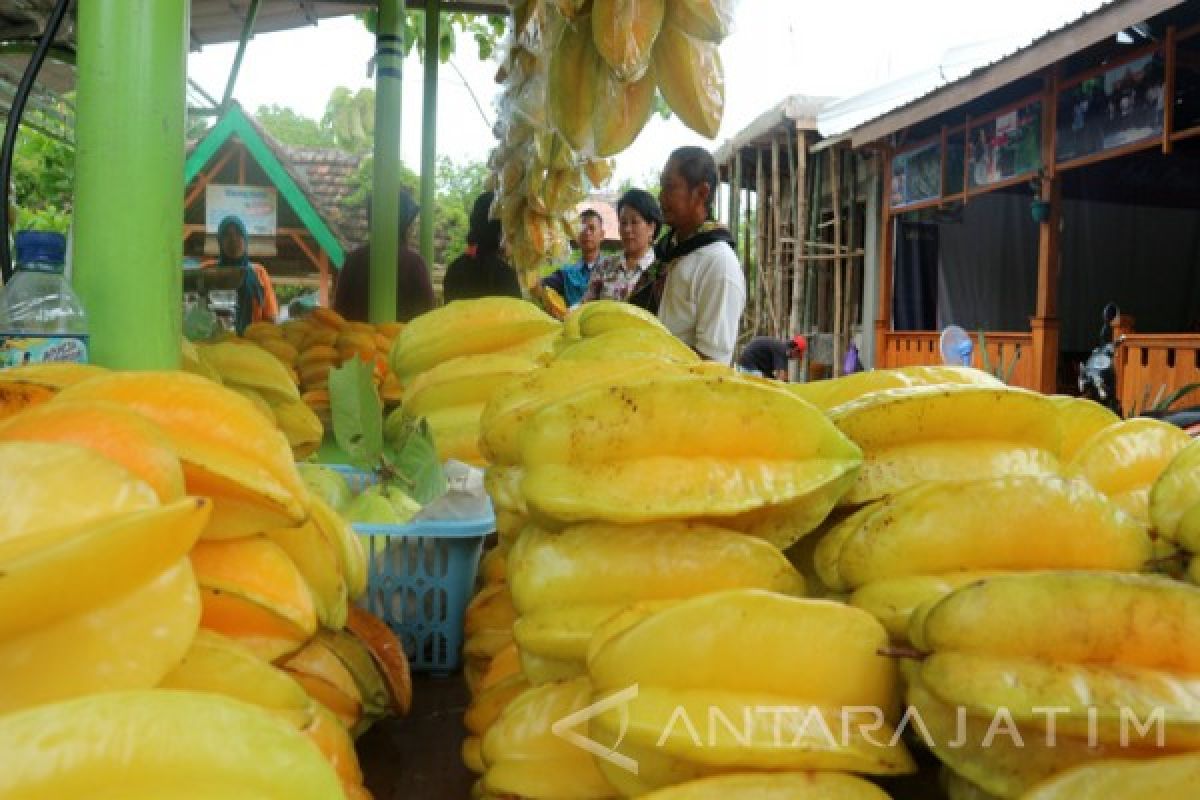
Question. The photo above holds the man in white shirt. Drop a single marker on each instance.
(705, 290)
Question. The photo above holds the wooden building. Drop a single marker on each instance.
(1023, 197)
(304, 241)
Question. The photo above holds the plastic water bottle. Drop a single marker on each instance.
(41, 318)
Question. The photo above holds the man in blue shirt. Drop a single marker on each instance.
(571, 281)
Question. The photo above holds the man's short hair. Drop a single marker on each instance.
(696, 166)
(591, 213)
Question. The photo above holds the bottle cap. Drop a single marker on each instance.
(45, 247)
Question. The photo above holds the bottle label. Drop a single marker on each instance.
(18, 349)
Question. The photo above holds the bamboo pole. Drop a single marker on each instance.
(731, 200)
(760, 227)
(799, 267)
(812, 273)
(853, 293)
(777, 245)
(834, 256)
(748, 237)
(835, 185)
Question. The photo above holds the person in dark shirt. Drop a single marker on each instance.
(414, 289)
(481, 271)
(768, 357)
(571, 281)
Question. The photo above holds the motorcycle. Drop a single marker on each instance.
(1098, 382)
(1098, 374)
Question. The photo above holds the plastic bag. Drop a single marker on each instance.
(200, 323)
(624, 32)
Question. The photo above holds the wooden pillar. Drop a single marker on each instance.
(883, 319)
(1045, 323)
(1124, 325)
(323, 292)
(735, 178)
(799, 263)
(835, 184)
(748, 237)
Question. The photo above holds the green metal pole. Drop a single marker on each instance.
(129, 121)
(433, 13)
(385, 200)
(247, 32)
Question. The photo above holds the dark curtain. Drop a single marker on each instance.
(988, 264)
(915, 282)
(1144, 259)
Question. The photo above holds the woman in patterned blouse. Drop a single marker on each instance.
(630, 276)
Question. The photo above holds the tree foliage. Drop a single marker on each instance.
(294, 129)
(485, 30)
(43, 180)
(350, 118)
(457, 184)
(348, 123)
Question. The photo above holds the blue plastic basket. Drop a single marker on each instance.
(420, 579)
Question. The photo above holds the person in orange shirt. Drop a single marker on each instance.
(256, 297)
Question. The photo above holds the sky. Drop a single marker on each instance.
(835, 48)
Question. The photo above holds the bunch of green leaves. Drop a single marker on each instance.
(43, 180)
(292, 128)
(287, 292)
(485, 30)
(1002, 370)
(1163, 401)
(47, 218)
(350, 118)
(407, 459)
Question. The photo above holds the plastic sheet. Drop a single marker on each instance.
(710, 20)
(624, 32)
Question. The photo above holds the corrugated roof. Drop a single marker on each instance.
(795, 112)
(217, 21)
(971, 72)
(841, 116)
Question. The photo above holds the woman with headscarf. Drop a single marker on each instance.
(414, 289)
(630, 276)
(256, 295)
(481, 271)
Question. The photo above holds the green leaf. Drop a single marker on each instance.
(1012, 366)
(357, 413)
(412, 461)
(986, 359)
(661, 107)
(1163, 405)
